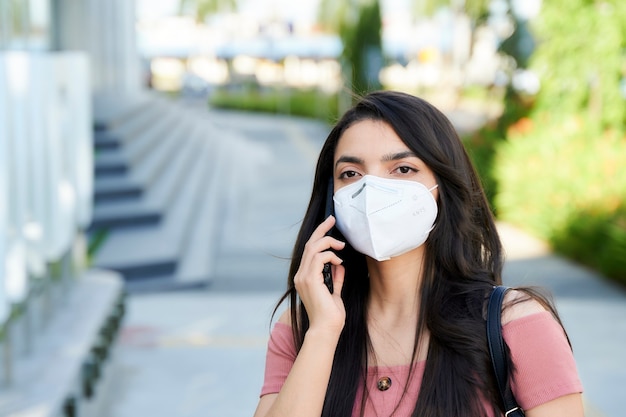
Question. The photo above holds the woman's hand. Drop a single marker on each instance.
(326, 311)
(304, 390)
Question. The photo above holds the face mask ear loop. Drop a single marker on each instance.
(430, 190)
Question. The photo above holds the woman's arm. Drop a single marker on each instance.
(544, 355)
(304, 390)
(567, 406)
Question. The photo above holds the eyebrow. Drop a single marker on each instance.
(399, 155)
(349, 160)
(386, 158)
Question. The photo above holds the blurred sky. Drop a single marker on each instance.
(297, 11)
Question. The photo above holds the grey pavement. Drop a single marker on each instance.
(201, 353)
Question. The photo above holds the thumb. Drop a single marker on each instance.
(339, 273)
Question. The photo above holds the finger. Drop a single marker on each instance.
(315, 265)
(325, 243)
(323, 228)
(314, 247)
(339, 273)
(336, 243)
(327, 257)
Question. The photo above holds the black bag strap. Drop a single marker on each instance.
(497, 350)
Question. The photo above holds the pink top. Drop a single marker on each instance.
(545, 368)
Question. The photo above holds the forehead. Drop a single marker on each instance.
(369, 136)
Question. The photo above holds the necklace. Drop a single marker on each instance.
(384, 383)
(382, 399)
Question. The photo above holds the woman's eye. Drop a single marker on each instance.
(406, 170)
(348, 174)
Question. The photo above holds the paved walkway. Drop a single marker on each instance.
(201, 353)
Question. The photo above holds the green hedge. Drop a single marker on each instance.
(596, 237)
(307, 103)
(562, 180)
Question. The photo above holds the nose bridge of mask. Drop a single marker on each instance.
(376, 184)
(373, 194)
(379, 196)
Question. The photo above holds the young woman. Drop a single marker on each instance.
(414, 255)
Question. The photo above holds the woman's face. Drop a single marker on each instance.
(372, 147)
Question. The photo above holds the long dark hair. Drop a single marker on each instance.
(463, 261)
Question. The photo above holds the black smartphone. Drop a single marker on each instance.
(327, 272)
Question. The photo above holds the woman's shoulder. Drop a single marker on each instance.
(518, 304)
(281, 341)
(545, 369)
(283, 325)
(285, 318)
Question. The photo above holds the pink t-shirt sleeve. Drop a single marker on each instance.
(545, 366)
(281, 354)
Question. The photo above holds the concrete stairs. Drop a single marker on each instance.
(160, 183)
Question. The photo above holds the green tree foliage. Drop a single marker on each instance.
(331, 14)
(476, 9)
(558, 165)
(358, 22)
(427, 7)
(580, 59)
(359, 25)
(362, 51)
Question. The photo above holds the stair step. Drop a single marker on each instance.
(138, 252)
(160, 154)
(111, 159)
(160, 174)
(114, 113)
(152, 112)
(110, 164)
(157, 267)
(110, 189)
(112, 110)
(198, 262)
(154, 251)
(106, 141)
(160, 284)
(124, 214)
(167, 184)
(151, 136)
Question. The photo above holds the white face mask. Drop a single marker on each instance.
(383, 218)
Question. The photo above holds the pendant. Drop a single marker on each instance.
(384, 383)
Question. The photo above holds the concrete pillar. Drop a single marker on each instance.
(4, 196)
(133, 77)
(106, 31)
(13, 130)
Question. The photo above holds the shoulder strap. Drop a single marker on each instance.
(498, 352)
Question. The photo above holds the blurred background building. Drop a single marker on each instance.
(270, 44)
